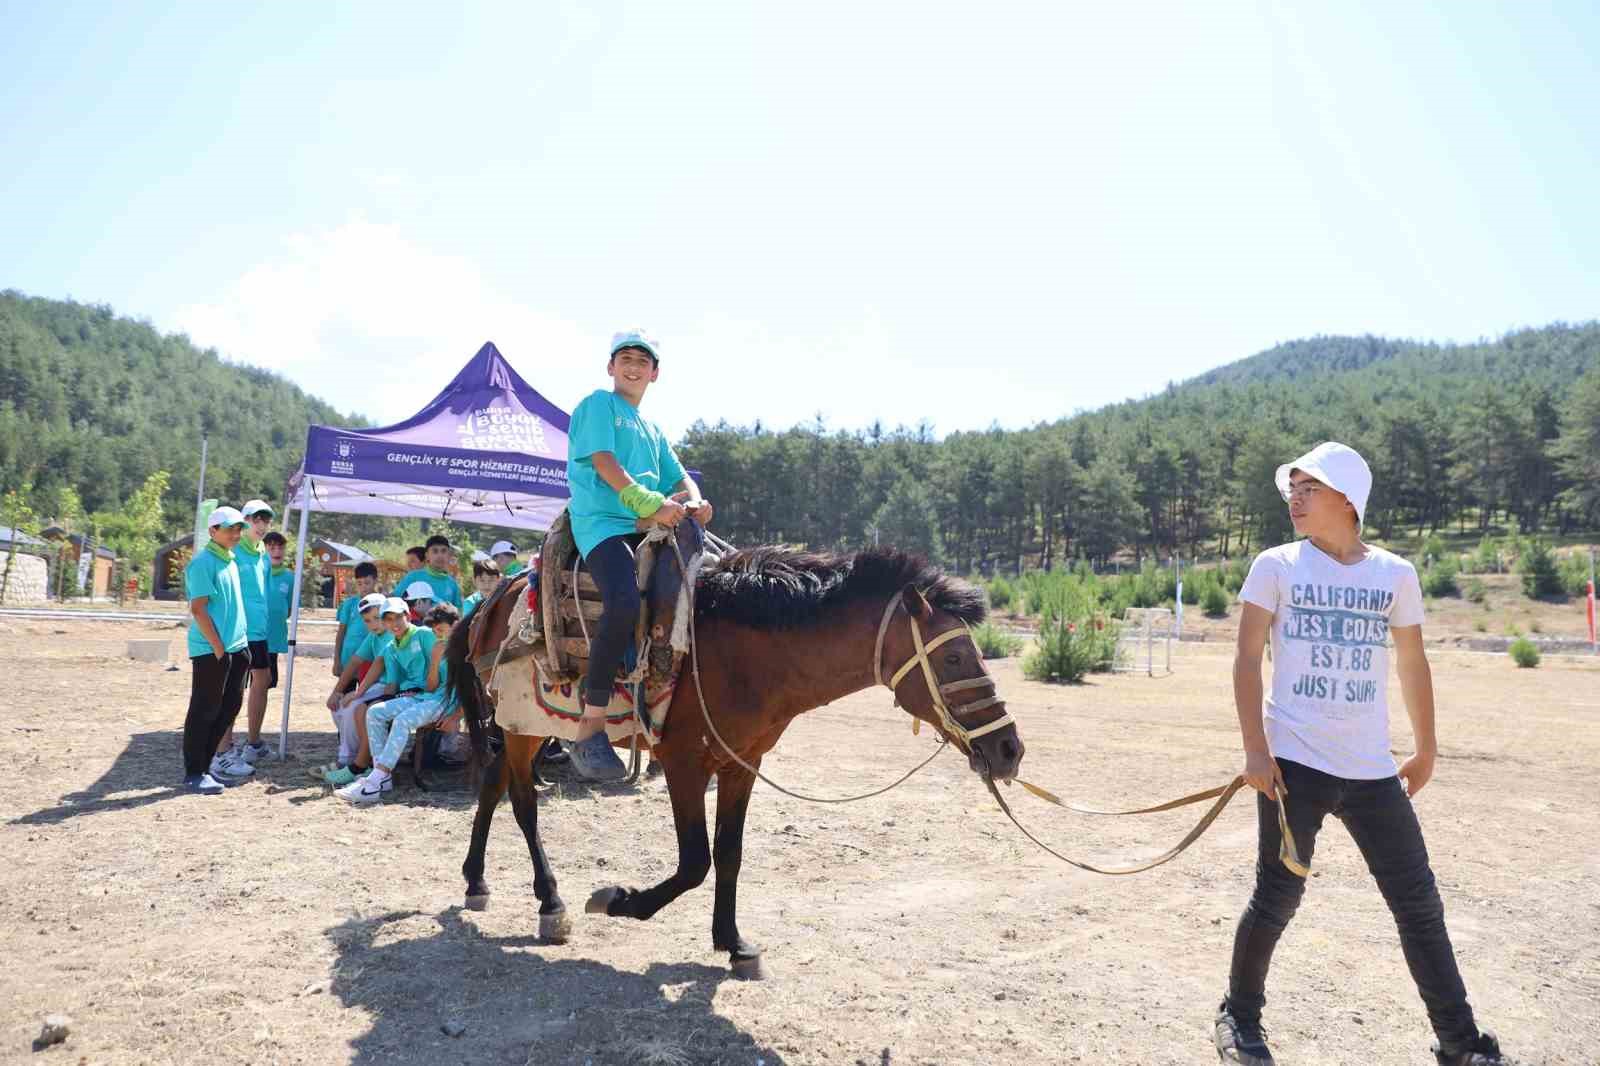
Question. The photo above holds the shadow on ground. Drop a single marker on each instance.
(415, 974)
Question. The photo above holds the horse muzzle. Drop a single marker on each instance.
(998, 754)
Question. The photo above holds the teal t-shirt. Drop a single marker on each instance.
(254, 569)
(355, 631)
(605, 422)
(212, 573)
(371, 645)
(405, 659)
(470, 604)
(280, 594)
(446, 589)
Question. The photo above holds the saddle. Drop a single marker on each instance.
(555, 619)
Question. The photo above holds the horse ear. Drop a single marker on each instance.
(916, 603)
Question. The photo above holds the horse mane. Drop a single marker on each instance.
(775, 587)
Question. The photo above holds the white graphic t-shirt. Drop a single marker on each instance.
(1329, 707)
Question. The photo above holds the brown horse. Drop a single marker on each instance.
(778, 633)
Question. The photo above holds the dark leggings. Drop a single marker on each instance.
(1380, 819)
(216, 690)
(611, 563)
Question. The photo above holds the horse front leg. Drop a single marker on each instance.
(733, 800)
(686, 785)
(491, 788)
(554, 925)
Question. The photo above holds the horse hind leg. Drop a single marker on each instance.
(554, 925)
(493, 785)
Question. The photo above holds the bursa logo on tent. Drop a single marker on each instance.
(345, 463)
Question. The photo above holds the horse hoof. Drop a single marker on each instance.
(478, 903)
(600, 902)
(749, 968)
(555, 928)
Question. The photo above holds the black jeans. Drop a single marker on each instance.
(216, 690)
(1380, 819)
(612, 565)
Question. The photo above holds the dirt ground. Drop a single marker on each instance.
(275, 924)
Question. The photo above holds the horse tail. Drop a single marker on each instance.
(467, 689)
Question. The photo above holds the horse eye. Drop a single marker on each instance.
(953, 659)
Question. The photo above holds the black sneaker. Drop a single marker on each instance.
(1240, 1042)
(1484, 1051)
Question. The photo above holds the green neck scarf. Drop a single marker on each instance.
(436, 572)
(219, 551)
(279, 569)
(249, 548)
(401, 640)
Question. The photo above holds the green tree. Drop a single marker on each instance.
(906, 520)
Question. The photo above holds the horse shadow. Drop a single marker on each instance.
(453, 994)
(148, 771)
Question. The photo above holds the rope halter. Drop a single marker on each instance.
(962, 734)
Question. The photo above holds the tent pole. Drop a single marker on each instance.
(294, 615)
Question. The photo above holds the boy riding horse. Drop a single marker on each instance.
(617, 463)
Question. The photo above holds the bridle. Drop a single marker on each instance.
(954, 728)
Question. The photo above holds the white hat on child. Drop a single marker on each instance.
(419, 590)
(1338, 466)
(370, 601)
(395, 605)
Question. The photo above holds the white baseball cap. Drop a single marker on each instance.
(255, 507)
(503, 547)
(225, 516)
(372, 600)
(395, 605)
(1338, 466)
(636, 338)
(420, 590)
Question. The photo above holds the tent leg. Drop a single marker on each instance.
(294, 615)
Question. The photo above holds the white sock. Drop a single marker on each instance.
(375, 779)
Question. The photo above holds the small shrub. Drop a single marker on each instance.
(1486, 560)
(1433, 552)
(1215, 603)
(1480, 625)
(1538, 569)
(1001, 594)
(1513, 630)
(1536, 626)
(1524, 652)
(1574, 571)
(1477, 591)
(1068, 649)
(1441, 579)
(994, 642)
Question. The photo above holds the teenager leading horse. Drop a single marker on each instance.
(778, 632)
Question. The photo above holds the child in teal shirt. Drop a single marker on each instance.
(217, 645)
(619, 469)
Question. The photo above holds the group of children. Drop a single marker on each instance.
(239, 593)
(388, 660)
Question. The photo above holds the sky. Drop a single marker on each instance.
(961, 214)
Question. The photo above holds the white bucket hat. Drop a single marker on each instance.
(1338, 466)
(419, 590)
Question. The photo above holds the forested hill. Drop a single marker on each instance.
(1471, 435)
(1474, 435)
(97, 403)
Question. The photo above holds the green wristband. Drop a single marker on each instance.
(642, 501)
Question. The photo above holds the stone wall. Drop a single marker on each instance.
(30, 578)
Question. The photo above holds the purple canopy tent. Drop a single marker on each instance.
(487, 449)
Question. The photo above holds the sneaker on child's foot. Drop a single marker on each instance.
(1484, 1051)
(229, 768)
(595, 760)
(254, 753)
(363, 790)
(204, 784)
(1242, 1042)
